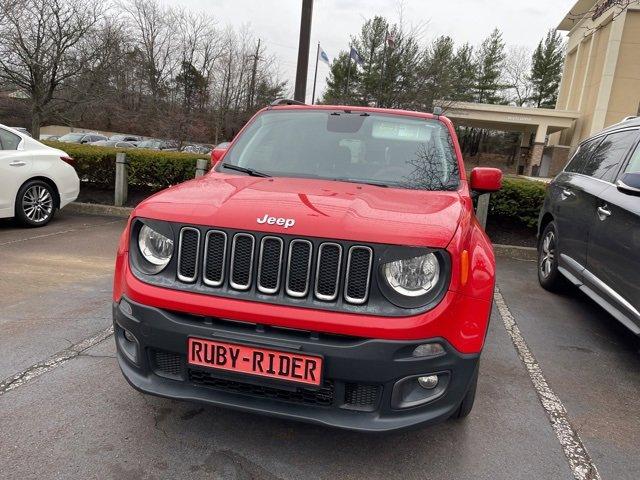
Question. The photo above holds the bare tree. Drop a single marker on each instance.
(43, 46)
(517, 68)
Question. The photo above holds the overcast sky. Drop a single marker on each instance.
(277, 22)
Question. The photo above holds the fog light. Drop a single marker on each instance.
(429, 382)
(129, 336)
(428, 350)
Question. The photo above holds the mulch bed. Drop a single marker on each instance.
(105, 196)
(507, 231)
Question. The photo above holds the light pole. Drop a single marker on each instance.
(303, 51)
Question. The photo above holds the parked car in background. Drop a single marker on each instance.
(76, 137)
(589, 229)
(35, 180)
(200, 149)
(49, 138)
(155, 144)
(21, 130)
(329, 269)
(125, 138)
(113, 143)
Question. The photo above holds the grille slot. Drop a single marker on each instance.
(358, 274)
(360, 396)
(215, 256)
(328, 271)
(167, 364)
(188, 252)
(270, 264)
(322, 397)
(298, 268)
(242, 261)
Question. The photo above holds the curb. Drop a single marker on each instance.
(97, 209)
(521, 253)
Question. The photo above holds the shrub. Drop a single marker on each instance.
(519, 199)
(148, 168)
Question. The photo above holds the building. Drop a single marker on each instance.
(600, 86)
(601, 78)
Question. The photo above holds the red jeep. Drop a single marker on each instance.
(328, 269)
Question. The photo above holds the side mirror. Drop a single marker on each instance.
(485, 179)
(217, 154)
(629, 184)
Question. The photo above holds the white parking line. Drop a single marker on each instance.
(54, 361)
(579, 460)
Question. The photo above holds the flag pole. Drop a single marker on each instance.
(315, 76)
(348, 71)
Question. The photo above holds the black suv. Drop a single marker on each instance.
(589, 228)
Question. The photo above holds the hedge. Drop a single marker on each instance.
(148, 168)
(519, 199)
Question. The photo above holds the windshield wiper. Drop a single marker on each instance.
(365, 182)
(248, 171)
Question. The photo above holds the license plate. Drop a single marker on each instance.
(261, 362)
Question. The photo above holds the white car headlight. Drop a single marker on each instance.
(155, 247)
(413, 277)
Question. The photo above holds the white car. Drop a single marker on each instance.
(35, 180)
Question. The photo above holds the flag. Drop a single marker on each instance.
(323, 57)
(355, 56)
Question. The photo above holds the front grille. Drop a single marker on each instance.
(215, 254)
(322, 397)
(358, 274)
(272, 265)
(188, 254)
(328, 271)
(242, 261)
(299, 267)
(360, 396)
(166, 364)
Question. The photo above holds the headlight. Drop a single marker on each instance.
(155, 247)
(413, 277)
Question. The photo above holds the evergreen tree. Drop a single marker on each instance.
(438, 72)
(490, 60)
(546, 70)
(464, 71)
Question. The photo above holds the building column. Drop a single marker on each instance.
(535, 156)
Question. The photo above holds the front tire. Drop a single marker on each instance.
(35, 204)
(549, 276)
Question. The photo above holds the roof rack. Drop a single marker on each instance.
(285, 101)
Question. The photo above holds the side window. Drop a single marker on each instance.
(606, 160)
(579, 159)
(8, 140)
(634, 163)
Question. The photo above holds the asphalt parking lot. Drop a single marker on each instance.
(67, 412)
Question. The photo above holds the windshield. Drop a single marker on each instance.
(150, 144)
(392, 150)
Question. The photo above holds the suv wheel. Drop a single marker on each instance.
(35, 204)
(549, 276)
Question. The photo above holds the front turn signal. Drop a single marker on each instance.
(464, 267)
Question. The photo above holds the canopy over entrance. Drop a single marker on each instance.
(538, 121)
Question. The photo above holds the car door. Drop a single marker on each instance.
(15, 167)
(613, 258)
(572, 199)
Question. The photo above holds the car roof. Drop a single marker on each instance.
(628, 122)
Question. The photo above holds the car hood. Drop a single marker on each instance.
(319, 208)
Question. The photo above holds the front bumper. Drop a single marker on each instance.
(359, 374)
